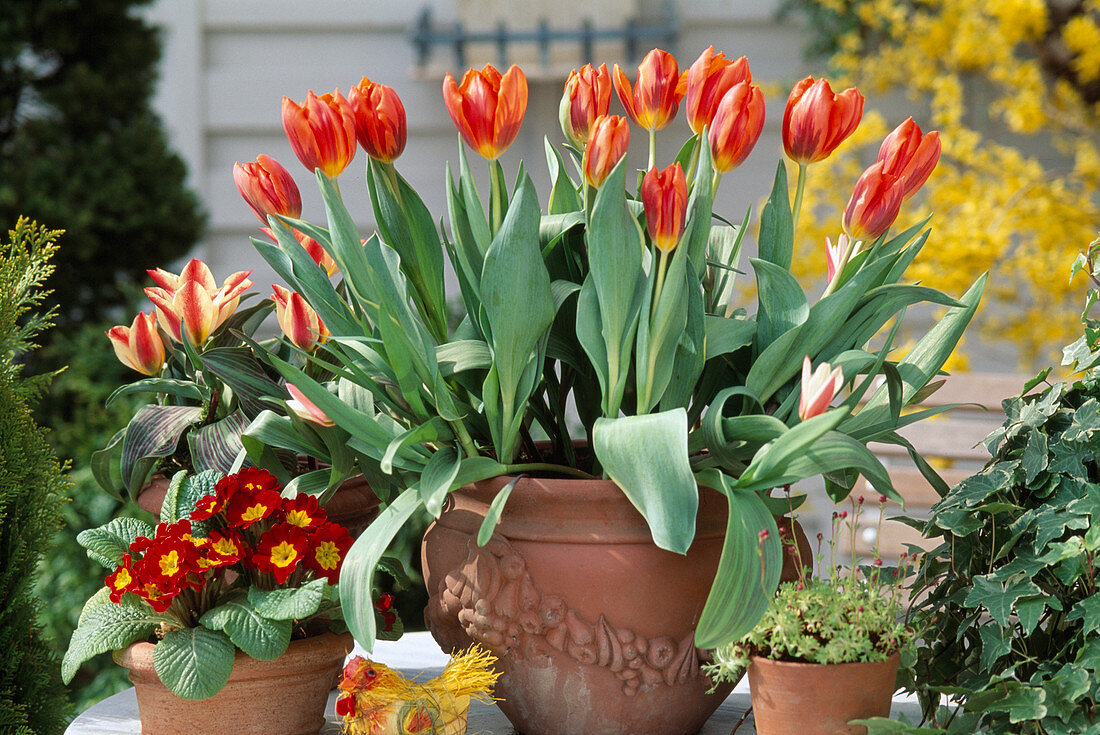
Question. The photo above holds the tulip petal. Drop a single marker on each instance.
(196, 310)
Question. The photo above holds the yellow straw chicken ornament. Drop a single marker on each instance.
(377, 700)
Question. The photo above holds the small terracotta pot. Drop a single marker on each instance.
(593, 624)
(286, 696)
(354, 505)
(819, 699)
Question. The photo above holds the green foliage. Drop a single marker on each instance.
(32, 484)
(1012, 607)
(80, 146)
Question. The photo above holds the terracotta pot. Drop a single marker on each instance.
(819, 699)
(593, 624)
(287, 695)
(354, 505)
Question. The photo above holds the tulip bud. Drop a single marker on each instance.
(587, 97)
(306, 409)
(875, 203)
(816, 120)
(608, 141)
(139, 346)
(268, 188)
(664, 197)
(818, 391)
(909, 155)
(321, 131)
(379, 120)
(737, 123)
(654, 100)
(708, 80)
(299, 321)
(487, 108)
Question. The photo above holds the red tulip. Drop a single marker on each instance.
(299, 321)
(306, 409)
(139, 345)
(192, 302)
(737, 124)
(379, 120)
(608, 140)
(910, 155)
(664, 197)
(321, 131)
(653, 101)
(708, 80)
(816, 120)
(487, 108)
(875, 203)
(268, 188)
(818, 389)
(587, 97)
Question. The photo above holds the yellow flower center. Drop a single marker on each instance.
(122, 579)
(225, 547)
(327, 555)
(298, 518)
(170, 564)
(254, 513)
(284, 554)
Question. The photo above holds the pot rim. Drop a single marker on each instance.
(894, 657)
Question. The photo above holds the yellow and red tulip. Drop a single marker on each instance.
(268, 188)
(587, 97)
(192, 303)
(816, 120)
(487, 108)
(379, 118)
(818, 388)
(306, 409)
(321, 131)
(299, 321)
(736, 126)
(139, 345)
(608, 140)
(654, 99)
(875, 203)
(910, 155)
(664, 197)
(708, 80)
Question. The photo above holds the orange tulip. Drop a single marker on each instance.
(192, 303)
(653, 101)
(708, 80)
(487, 108)
(587, 96)
(664, 197)
(818, 388)
(321, 131)
(268, 188)
(910, 155)
(875, 203)
(737, 124)
(816, 120)
(379, 120)
(608, 140)
(299, 321)
(139, 346)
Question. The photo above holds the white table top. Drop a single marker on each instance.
(414, 653)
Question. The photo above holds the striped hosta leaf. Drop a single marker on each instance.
(216, 446)
(154, 432)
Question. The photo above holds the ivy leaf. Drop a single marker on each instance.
(1029, 612)
(995, 644)
(1090, 504)
(1051, 524)
(1086, 420)
(999, 597)
(1088, 611)
(1066, 460)
(976, 488)
(1021, 703)
(1034, 460)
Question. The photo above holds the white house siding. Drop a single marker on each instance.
(228, 64)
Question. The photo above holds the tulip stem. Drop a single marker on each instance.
(714, 182)
(464, 439)
(652, 149)
(547, 467)
(661, 266)
(800, 187)
(497, 196)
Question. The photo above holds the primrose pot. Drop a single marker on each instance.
(354, 505)
(287, 695)
(593, 625)
(819, 699)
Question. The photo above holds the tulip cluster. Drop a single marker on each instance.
(249, 528)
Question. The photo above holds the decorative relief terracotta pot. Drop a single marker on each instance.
(784, 693)
(286, 696)
(593, 624)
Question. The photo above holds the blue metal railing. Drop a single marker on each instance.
(634, 34)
